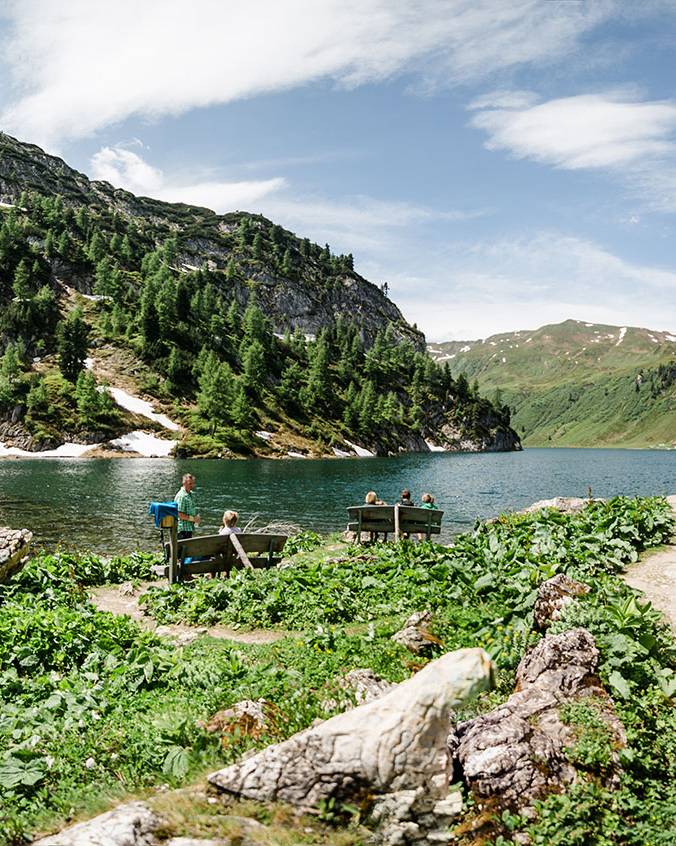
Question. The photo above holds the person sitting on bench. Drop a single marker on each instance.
(230, 526)
(371, 498)
(406, 498)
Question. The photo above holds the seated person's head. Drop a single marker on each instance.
(371, 498)
(406, 494)
(427, 497)
(230, 519)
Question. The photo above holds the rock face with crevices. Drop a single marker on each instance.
(397, 742)
(553, 596)
(132, 824)
(14, 548)
(517, 752)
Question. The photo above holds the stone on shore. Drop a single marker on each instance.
(553, 596)
(414, 634)
(14, 549)
(131, 824)
(517, 752)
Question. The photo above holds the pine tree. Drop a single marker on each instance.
(253, 366)
(215, 396)
(242, 414)
(72, 339)
(50, 245)
(97, 248)
(258, 246)
(21, 284)
(126, 250)
(87, 397)
(63, 246)
(288, 263)
(290, 384)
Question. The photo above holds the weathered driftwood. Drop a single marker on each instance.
(14, 549)
(395, 743)
(517, 752)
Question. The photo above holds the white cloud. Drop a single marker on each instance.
(124, 168)
(611, 130)
(478, 289)
(82, 65)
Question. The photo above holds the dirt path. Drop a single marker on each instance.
(124, 601)
(656, 577)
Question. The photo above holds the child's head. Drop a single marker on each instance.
(230, 519)
(427, 497)
(371, 498)
(406, 494)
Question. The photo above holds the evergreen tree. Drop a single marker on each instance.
(63, 246)
(87, 397)
(72, 339)
(50, 244)
(290, 384)
(215, 396)
(258, 246)
(97, 247)
(242, 413)
(288, 263)
(126, 250)
(253, 367)
(21, 284)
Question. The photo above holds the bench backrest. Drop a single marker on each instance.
(218, 553)
(380, 518)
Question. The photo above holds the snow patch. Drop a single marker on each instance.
(434, 447)
(362, 452)
(264, 435)
(528, 340)
(588, 324)
(340, 453)
(466, 348)
(67, 450)
(139, 406)
(492, 343)
(96, 298)
(296, 455)
(504, 360)
(654, 340)
(147, 445)
(623, 332)
(670, 338)
(446, 357)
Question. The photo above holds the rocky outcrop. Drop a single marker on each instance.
(247, 717)
(133, 824)
(517, 752)
(14, 549)
(397, 742)
(553, 596)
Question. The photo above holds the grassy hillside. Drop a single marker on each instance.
(576, 384)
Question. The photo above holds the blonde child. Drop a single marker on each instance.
(230, 526)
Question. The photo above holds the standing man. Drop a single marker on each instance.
(188, 518)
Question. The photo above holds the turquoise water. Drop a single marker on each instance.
(101, 504)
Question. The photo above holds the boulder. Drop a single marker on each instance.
(131, 824)
(395, 743)
(553, 596)
(14, 548)
(517, 752)
(415, 636)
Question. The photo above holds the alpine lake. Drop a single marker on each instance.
(102, 504)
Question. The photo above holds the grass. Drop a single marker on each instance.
(94, 709)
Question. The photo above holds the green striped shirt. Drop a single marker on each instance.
(186, 505)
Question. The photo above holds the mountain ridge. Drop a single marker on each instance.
(576, 383)
(233, 325)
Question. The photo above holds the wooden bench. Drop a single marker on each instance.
(219, 554)
(393, 519)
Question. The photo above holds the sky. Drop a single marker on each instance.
(501, 165)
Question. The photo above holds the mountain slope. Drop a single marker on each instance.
(576, 384)
(229, 323)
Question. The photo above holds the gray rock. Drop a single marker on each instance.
(132, 824)
(395, 743)
(414, 634)
(14, 551)
(364, 685)
(248, 716)
(516, 752)
(553, 596)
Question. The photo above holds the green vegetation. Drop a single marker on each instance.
(184, 293)
(94, 708)
(576, 384)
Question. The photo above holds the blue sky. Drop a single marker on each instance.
(500, 164)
